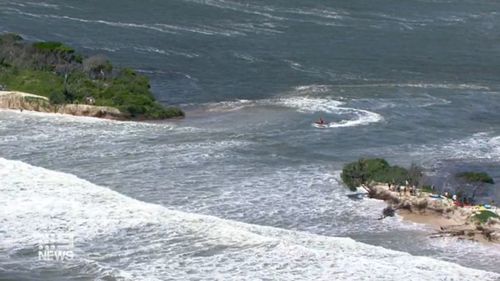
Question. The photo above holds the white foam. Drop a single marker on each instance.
(404, 101)
(305, 104)
(322, 13)
(205, 30)
(155, 242)
(245, 57)
(313, 89)
(326, 105)
(43, 4)
(98, 21)
(228, 106)
(56, 116)
(160, 27)
(299, 67)
(67, 119)
(483, 145)
(444, 86)
(311, 105)
(421, 85)
(257, 28)
(167, 52)
(247, 8)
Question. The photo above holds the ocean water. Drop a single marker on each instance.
(245, 188)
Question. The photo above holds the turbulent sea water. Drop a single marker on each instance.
(245, 188)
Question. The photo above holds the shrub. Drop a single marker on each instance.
(55, 47)
(362, 171)
(394, 174)
(474, 182)
(57, 98)
(9, 38)
(483, 216)
(476, 177)
(427, 188)
(366, 171)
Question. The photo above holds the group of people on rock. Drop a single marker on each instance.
(459, 200)
(403, 189)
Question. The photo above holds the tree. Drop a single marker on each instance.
(415, 175)
(475, 180)
(97, 67)
(364, 171)
(377, 170)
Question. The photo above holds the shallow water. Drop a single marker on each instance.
(245, 186)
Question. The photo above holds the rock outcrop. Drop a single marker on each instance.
(460, 221)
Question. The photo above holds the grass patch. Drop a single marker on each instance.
(36, 82)
(483, 216)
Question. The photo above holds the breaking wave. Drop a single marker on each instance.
(137, 240)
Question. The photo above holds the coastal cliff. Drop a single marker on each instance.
(25, 101)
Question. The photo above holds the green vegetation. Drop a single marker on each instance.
(53, 47)
(476, 177)
(427, 188)
(38, 82)
(56, 71)
(367, 171)
(483, 216)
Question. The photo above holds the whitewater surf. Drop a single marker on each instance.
(148, 241)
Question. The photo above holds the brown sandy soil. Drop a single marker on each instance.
(25, 101)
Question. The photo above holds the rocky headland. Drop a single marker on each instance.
(459, 215)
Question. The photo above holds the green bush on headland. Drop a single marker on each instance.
(476, 177)
(56, 71)
(474, 182)
(53, 47)
(484, 216)
(367, 171)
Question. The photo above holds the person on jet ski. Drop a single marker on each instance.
(321, 121)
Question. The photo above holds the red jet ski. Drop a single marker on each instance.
(321, 123)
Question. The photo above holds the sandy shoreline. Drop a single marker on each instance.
(441, 224)
(435, 221)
